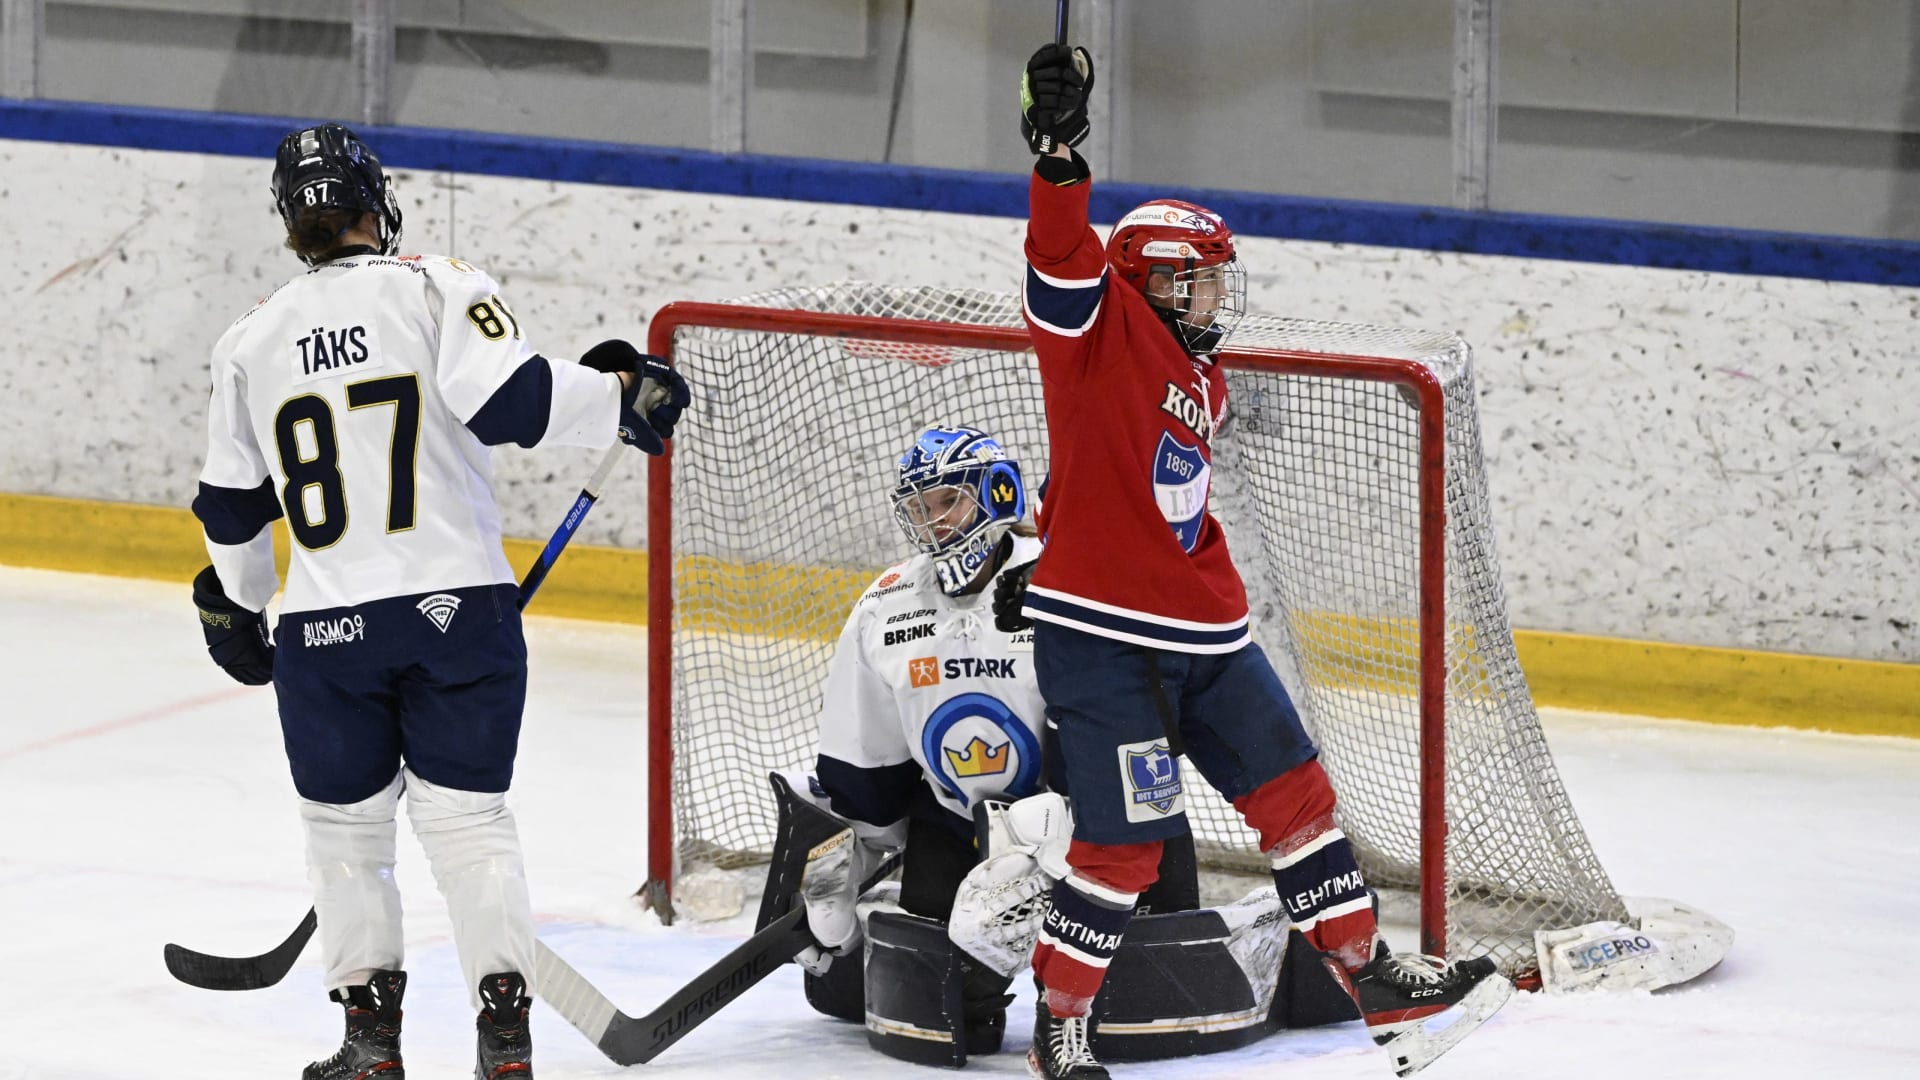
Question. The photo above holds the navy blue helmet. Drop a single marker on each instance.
(328, 167)
(958, 493)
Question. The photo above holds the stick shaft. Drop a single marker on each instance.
(537, 573)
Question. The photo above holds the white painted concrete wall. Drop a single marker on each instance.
(1674, 456)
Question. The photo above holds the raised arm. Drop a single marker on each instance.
(1066, 263)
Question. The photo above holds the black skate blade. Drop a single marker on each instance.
(1417, 1046)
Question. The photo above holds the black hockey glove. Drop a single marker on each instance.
(1009, 593)
(1053, 97)
(236, 638)
(651, 406)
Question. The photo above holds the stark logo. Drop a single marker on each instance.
(440, 608)
(923, 671)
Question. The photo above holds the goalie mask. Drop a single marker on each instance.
(957, 495)
(1181, 258)
(329, 168)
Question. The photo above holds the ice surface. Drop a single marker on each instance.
(146, 800)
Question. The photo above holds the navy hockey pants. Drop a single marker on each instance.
(1125, 713)
(362, 697)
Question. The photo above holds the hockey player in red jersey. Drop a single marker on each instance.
(1141, 643)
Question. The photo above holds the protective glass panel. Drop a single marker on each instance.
(583, 69)
(1299, 97)
(1797, 115)
(276, 57)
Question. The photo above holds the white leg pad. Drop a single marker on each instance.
(474, 849)
(350, 866)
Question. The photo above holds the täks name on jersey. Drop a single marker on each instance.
(326, 350)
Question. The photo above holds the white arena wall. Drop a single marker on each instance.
(1674, 456)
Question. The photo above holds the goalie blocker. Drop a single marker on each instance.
(1182, 983)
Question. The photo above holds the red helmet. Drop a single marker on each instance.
(1182, 242)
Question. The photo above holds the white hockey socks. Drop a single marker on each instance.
(350, 865)
(474, 849)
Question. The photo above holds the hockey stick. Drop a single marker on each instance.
(633, 1040)
(209, 972)
(1060, 22)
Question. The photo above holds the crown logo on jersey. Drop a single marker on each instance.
(440, 608)
(978, 759)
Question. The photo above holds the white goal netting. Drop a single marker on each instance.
(780, 480)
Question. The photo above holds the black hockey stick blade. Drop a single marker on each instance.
(240, 972)
(635, 1040)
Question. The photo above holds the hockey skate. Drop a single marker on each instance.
(371, 1050)
(506, 1046)
(1060, 1049)
(1399, 995)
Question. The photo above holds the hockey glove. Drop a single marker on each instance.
(236, 638)
(1009, 595)
(1000, 904)
(651, 406)
(1053, 97)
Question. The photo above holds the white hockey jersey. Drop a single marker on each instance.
(362, 398)
(924, 689)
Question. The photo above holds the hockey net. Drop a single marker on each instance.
(774, 505)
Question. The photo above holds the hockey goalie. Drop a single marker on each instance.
(932, 744)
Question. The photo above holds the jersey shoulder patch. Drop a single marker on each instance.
(455, 277)
(228, 337)
(897, 578)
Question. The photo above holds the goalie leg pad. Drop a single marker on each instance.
(1192, 982)
(915, 1001)
(840, 993)
(1309, 995)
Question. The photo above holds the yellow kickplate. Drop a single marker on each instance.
(1574, 671)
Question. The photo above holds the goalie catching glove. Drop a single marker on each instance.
(998, 909)
(651, 402)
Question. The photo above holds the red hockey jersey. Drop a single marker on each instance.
(1131, 551)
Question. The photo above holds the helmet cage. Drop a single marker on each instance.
(1201, 331)
(328, 167)
(958, 494)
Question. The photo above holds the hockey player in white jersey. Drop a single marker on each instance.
(360, 400)
(928, 709)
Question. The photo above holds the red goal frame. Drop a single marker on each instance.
(1414, 376)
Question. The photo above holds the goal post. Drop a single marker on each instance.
(1348, 476)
